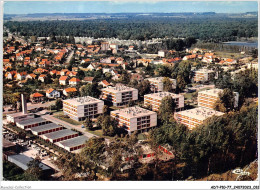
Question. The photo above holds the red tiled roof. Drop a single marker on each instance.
(62, 78)
(70, 90)
(49, 90)
(36, 95)
(105, 82)
(74, 80)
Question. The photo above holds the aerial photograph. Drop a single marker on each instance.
(130, 91)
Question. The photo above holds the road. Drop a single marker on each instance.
(68, 125)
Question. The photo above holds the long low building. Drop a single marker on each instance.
(73, 144)
(135, 119)
(33, 122)
(194, 117)
(59, 135)
(83, 107)
(48, 128)
(155, 100)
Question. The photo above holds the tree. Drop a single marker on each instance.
(143, 88)
(108, 126)
(34, 171)
(88, 124)
(166, 109)
(226, 101)
(90, 90)
(59, 104)
(167, 84)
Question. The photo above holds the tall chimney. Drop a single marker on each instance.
(24, 104)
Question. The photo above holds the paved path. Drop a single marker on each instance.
(68, 125)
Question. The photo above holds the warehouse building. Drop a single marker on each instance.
(73, 144)
(203, 75)
(194, 117)
(135, 119)
(48, 128)
(156, 84)
(208, 98)
(33, 122)
(155, 100)
(59, 135)
(83, 107)
(119, 95)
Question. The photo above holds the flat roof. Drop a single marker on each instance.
(46, 127)
(21, 160)
(211, 92)
(204, 70)
(76, 141)
(133, 112)
(31, 121)
(7, 143)
(158, 79)
(200, 113)
(161, 95)
(18, 114)
(119, 88)
(59, 134)
(82, 100)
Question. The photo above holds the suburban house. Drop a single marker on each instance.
(21, 75)
(68, 91)
(42, 78)
(90, 67)
(74, 81)
(36, 97)
(51, 93)
(63, 80)
(104, 83)
(88, 80)
(31, 76)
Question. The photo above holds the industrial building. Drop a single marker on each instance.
(194, 117)
(208, 98)
(73, 144)
(119, 95)
(155, 100)
(156, 84)
(48, 128)
(59, 135)
(203, 75)
(32, 122)
(83, 107)
(135, 119)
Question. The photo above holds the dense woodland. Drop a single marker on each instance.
(210, 29)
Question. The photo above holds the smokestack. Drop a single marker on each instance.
(24, 104)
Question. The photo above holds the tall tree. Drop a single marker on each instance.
(166, 109)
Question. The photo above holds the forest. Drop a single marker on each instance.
(207, 29)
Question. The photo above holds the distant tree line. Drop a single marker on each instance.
(206, 28)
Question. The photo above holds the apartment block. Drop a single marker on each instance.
(208, 98)
(155, 100)
(203, 75)
(119, 95)
(83, 107)
(156, 84)
(135, 119)
(194, 117)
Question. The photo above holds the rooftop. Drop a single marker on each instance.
(119, 88)
(31, 121)
(211, 92)
(82, 100)
(161, 95)
(158, 79)
(133, 112)
(200, 113)
(59, 134)
(74, 141)
(205, 70)
(45, 127)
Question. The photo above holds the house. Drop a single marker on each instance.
(74, 81)
(10, 75)
(161, 53)
(136, 76)
(114, 72)
(36, 97)
(42, 78)
(51, 93)
(31, 76)
(53, 72)
(90, 67)
(68, 91)
(63, 80)
(40, 71)
(71, 73)
(88, 79)
(104, 83)
(21, 75)
(63, 72)
(76, 69)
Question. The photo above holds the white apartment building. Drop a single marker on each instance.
(83, 107)
(135, 119)
(156, 84)
(119, 95)
(155, 100)
(194, 117)
(203, 75)
(208, 98)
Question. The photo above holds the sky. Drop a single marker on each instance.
(116, 6)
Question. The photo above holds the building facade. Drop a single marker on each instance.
(156, 84)
(83, 107)
(203, 75)
(135, 119)
(194, 117)
(119, 95)
(155, 100)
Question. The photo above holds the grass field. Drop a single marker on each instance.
(228, 55)
(63, 118)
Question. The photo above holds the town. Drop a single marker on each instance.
(108, 109)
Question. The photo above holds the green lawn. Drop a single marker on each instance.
(63, 118)
(141, 136)
(228, 55)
